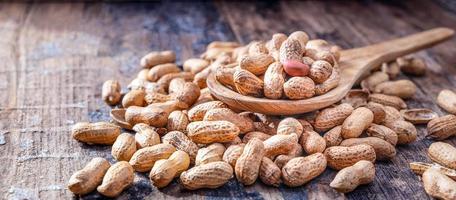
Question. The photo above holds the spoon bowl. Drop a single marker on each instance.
(354, 63)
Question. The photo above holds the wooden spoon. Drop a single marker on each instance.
(353, 63)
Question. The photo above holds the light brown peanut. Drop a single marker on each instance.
(279, 144)
(312, 142)
(247, 83)
(320, 71)
(288, 126)
(224, 75)
(291, 51)
(269, 173)
(206, 132)
(88, 178)
(299, 88)
(401, 88)
(391, 115)
(209, 175)
(255, 134)
(388, 100)
(339, 157)
(142, 74)
(118, 177)
(301, 37)
(420, 167)
(232, 154)
(181, 142)
(418, 115)
(134, 98)
(164, 81)
(333, 136)
(177, 121)
(197, 112)
(176, 85)
(248, 164)
(438, 185)
(144, 159)
(443, 153)
(150, 115)
(189, 94)
(160, 70)
(256, 64)
(95, 133)
(447, 100)
(378, 110)
(300, 170)
(360, 119)
(383, 133)
(392, 69)
(331, 117)
(274, 44)
(442, 127)
(347, 179)
(145, 136)
(330, 83)
(415, 66)
(211, 153)
(296, 151)
(406, 131)
(110, 92)
(373, 80)
(383, 149)
(244, 124)
(222, 44)
(274, 78)
(124, 147)
(257, 47)
(164, 171)
(155, 97)
(155, 58)
(195, 65)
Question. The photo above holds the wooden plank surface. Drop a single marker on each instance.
(54, 58)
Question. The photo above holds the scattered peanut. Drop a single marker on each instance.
(347, 179)
(164, 171)
(269, 172)
(118, 177)
(438, 185)
(442, 127)
(87, 179)
(110, 92)
(144, 159)
(443, 153)
(248, 164)
(206, 132)
(300, 170)
(209, 175)
(124, 147)
(447, 100)
(95, 133)
(339, 157)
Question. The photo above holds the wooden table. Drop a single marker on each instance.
(55, 57)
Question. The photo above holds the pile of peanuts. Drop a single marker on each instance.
(292, 67)
(182, 132)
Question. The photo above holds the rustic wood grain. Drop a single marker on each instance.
(54, 58)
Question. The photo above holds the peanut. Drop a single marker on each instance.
(222, 44)
(247, 83)
(150, 115)
(118, 177)
(232, 154)
(257, 47)
(248, 164)
(224, 75)
(383, 133)
(177, 121)
(414, 66)
(320, 71)
(391, 115)
(392, 69)
(296, 151)
(443, 153)
(110, 92)
(244, 124)
(279, 144)
(160, 70)
(418, 115)
(274, 78)
(333, 136)
(124, 147)
(189, 94)
(330, 83)
(215, 53)
(373, 80)
(388, 100)
(206, 132)
(195, 65)
(142, 74)
(406, 131)
(442, 127)
(155, 58)
(312, 142)
(402, 88)
(256, 64)
(299, 88)
(339, 157)
(383, 149)
(447, 100)
(255, 134)
(301, 37)
(269, 172)
(331, 117)
(197, 112)
(134, 98)
(420, 167)
(164, 81)
(118, 118)
(347, 179)
(144, 159)
(209, 175)
(438, 185)
(176, 85)
(164, 171)
(211, 153)
(300, 170)
(145, 136)
(274, 44)
(95, 133)
(155, 97)
(88, 178)
(360, 119)
(288, 126)
(181, 142)
(378, 110)
(290, 55)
